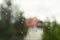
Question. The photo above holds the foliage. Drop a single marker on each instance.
(21, 28)
(51, 30)
(8, 30)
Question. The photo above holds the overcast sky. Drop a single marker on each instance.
(39, 8)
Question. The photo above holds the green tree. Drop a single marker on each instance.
(21, 28)
(51, 30)
(8, 30)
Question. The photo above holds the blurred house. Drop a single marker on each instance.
(35, 30)
(31, 22)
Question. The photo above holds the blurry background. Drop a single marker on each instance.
(12, 21)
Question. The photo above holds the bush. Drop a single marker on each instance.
(51, 30)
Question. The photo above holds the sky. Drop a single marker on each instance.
(39, 8)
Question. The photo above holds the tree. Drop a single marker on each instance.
(5, 25)
(51, 30)
(21, 27)
(8, 30)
